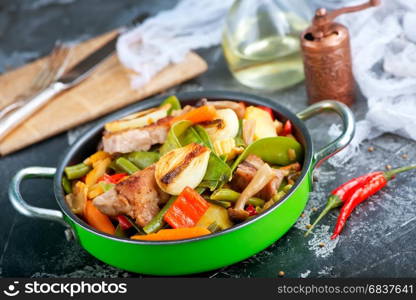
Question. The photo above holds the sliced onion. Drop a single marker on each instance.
(238, 108)
(226, 128)
(249, 127)
(181, 167)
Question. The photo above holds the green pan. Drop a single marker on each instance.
(196, 254)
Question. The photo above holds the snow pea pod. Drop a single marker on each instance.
(183, 133)
(174, 104)
(217, 171)
(173, 140)
(274, 150)
(143, 159)
(190, 136)
(202, 133)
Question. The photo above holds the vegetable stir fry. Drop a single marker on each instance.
(174, 172)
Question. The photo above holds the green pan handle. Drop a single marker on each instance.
(31, 211)
(343, 140)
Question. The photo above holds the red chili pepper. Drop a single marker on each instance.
(116, 178)
(287, 128)
(251, 210)
(124, 223)
(269, 110)
(339, 195)
(372, 185)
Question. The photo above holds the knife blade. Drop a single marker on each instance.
(82, 69)
(87, 65)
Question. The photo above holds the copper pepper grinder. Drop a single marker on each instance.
(327, 56)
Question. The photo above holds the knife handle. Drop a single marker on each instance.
(21, 114)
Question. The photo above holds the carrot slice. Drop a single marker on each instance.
(97, 219)
(173, 234)
(198, 115)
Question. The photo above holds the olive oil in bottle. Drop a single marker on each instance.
(261, 45)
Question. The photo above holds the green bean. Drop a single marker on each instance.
(278, 196)
(225, 204)
(283, 184)
(143, 159)
(232, 196)
(77, 171)
(287, 187)
(126, 165)
(106, 186)
(157, 222)
(200, 189)
(114, 167)
(225, 195)
(135, 226)
(174, 103)
(66, 184)
(120, 232)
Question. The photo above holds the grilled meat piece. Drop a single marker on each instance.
(137, 196)
(138, 139)
(109, 204)
(245, 173)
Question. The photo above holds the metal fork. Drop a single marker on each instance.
(51, 70)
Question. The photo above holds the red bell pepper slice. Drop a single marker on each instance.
(251, 210)
(124, 223)
(287, 128)
(268, 110)
(116, 178)
(186, 210)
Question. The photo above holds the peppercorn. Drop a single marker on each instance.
(281, 273)
(405, 156)
(321, 244)
(389, 167)
(370, 149)
(302, 215)
(308, 226)
(314, 209)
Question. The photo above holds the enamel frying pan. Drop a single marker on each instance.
(197, 254)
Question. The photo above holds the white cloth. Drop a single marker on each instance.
(383, 42)
(383, 48)
(167, 37)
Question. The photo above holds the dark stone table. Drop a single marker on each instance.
(379, 240)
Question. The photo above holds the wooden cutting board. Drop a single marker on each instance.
(106, 90)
